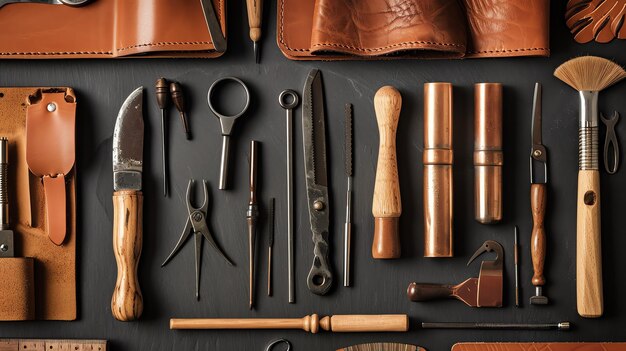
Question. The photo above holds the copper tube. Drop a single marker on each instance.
(438, 159)
(488, 156)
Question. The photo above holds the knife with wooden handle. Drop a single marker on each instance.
(127, 301)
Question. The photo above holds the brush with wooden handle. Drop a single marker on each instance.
(589, 75)
(312, 323)
(386, 205)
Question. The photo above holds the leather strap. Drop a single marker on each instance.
(54, 190)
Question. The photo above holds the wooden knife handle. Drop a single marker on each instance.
(425, 292)
(127, 301)
(255, 13)
(589, 298)
(366, 323)
(538, 198)
(386, 205)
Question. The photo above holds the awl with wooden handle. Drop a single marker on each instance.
(312, 323)
(255, 14)
(386, 205)
(127, 301)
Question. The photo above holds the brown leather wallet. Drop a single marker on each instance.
(54, 265)
(375, 29)
(108, 28)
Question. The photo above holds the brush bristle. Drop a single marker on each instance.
(590, 73)
(382, 346)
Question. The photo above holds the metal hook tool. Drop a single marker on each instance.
(226, 122)
(611, 140)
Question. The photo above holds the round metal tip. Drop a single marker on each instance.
(564, 326)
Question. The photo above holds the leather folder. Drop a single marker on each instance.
(386, 29)
(108, 29)
(54, 265)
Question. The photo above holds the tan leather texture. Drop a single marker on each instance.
(385, 29)
(51, 151)
(599, 20)
(17, 289)
(108, 28)
(544, 346)
(55, 265)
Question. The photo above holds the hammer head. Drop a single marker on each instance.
(538, 300)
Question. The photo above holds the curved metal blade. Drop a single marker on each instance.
(128, 143)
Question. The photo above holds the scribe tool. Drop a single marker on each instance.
(538, 199)
(255, 16)
(347, 232)
(127, 300)
(162, 98)
(196, 224)
(252, 214)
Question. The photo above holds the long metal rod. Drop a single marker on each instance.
(252, 214)
(164, 154)
(224, 162)
(270, 245)
(347, 235)
(497, 326)
(516, 253)
(290, 265)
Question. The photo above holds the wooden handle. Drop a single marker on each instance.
(538, 198)
(127, 301)
(312, 323)
(386, 205)
(426, 292)
(255, 12)
(162, 93)
(589, 298)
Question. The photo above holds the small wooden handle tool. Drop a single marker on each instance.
(590, 302)
(127, 301)
(255, 13)
(386, 205)
(312, 323)
(538, 198)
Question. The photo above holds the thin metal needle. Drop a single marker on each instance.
(164, 154)
(516, 250)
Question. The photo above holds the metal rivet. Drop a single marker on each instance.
(197, 217)
(4, 247)
(537, 153)
(318, 205)
(52, 107)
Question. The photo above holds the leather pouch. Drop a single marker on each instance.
(108, 28)
(54, 265)
(375, 29)
(17, 289)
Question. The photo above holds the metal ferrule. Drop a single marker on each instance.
(588, 148)
(588, 109)
(4, 196)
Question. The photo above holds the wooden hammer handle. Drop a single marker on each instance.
(127, 301)
(386, 205)
(538, 198)
(589, 298)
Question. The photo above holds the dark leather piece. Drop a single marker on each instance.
(599, 20)
(382, 29)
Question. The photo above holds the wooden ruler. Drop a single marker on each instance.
(52, 345)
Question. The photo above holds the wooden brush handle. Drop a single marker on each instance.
(538, 198)
(589, 298)
(312, 323)
(127, 301)
(386, 205)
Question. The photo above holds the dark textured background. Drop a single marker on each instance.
(379, 286)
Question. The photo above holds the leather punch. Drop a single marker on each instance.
(196, 224)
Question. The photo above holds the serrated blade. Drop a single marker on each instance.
(314, 129)
(128, 143)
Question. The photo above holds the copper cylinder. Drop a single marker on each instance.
(438, 157)
(488, 152)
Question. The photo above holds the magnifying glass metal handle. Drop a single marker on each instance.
(224, 162)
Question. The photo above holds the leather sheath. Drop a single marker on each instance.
(51, 151)
(54, 265)
(533, 346)
(108, 29)
(386, 29)
(17, 289)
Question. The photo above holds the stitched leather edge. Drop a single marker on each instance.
(58, 53)
(388, 46)
(508, 50)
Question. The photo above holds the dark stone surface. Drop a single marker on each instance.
(379, 286)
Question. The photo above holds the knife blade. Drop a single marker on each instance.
(320, 277)
(127, 300)
(215, 29)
